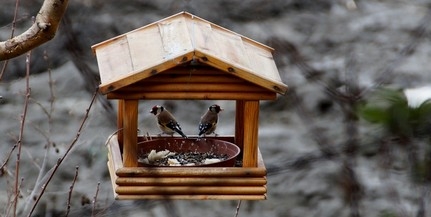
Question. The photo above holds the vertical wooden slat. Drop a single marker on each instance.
(120, 123)
(130, 133)
(250, 124)
(112, 66)
(239, 129)
(175, 37)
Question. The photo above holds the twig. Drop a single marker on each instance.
(352, 188)
(2, 168)
(237, 208)
(15, 198)
(12, 32)
(42, 176)
(60, 160)
(71, 190)
(21, 131)
(50, 82)
(95, 199)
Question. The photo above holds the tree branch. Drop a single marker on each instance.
(43, 29)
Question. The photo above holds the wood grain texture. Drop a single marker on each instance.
(120, 123)
(251, 125)
(193, 95)
(130, 133)
(191, 197)
(191, 190)
(239, 128)
(191, 181)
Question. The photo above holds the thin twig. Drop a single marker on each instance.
(43, 172)
(21, 131)
(95, 199)
(60, 160)
(71, 190)
(237, 208)
(15, 198)
(12, 32)
(2, 168)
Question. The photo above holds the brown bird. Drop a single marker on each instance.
(208, 123)
(166, 121)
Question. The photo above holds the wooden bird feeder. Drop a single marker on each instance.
(184, 57)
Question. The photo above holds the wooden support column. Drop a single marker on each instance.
(120, 124)
(130, 133)
(239, 128)
(250, 139)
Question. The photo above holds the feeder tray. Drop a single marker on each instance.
(194, 147)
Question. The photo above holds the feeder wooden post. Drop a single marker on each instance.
(120, 123)
(250, 139)
(130, 132)
(239, 120)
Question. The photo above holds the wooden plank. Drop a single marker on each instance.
(112, 176)
(189, 68)
(192, 197)
(146, 48)
(175, 37)
(190, 172)
(260, 162)
(200, 87)
(242, 72)
(251, 126)
(114, 153)
(201, 35)
(120, 114)
(192, 78)
(190, 181)
(193, 95)
(262, 62)
(114, 60)
(191, 190)
(239, 128)
(130, 133)
(140, 74)
(230, 47)
(192, 17)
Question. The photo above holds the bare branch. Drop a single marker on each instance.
(60, 160)
(71, 190)
(21, 132)
(237, 208)
(43, 29)
(95, 199)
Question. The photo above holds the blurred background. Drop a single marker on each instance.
(344, 141)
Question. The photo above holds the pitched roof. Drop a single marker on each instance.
(181, 38)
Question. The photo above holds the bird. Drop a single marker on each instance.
(166, 121)
(208, 122)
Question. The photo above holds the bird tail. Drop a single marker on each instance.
(181, 133)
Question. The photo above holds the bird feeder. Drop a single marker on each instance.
(184, 57)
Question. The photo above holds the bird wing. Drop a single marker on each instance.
(205, 127)
(175, 127)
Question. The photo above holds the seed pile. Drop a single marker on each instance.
(185, 159)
